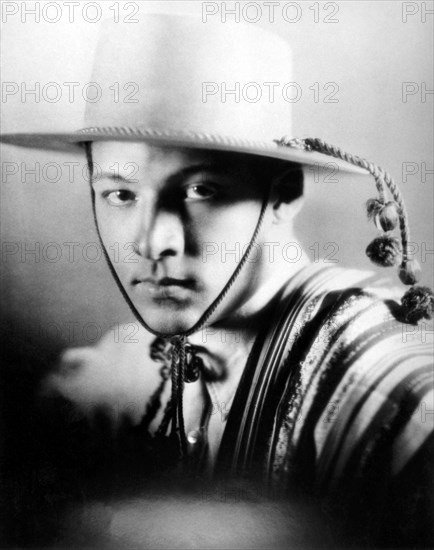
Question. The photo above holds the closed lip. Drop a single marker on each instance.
(166, 282)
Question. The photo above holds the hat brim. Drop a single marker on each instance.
(72, 143)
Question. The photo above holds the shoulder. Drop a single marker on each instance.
(116, 375)
(355, 372)
(345, 309)
(361, 376)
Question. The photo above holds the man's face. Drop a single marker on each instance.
(175, 224)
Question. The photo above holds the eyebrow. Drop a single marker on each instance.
(204, 167)
(115, 177)
(176, 177)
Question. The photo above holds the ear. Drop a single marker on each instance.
(285, 209)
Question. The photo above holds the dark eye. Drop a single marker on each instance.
(199, 191)
(121, 197)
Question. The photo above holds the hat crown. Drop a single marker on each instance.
(175, 73)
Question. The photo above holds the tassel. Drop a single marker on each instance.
(384, 251)
(410, 272)
(373, 207)
(418, 303)
(388, 217)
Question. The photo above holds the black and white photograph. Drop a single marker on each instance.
(217, 264)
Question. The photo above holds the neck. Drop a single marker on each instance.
(223, 344)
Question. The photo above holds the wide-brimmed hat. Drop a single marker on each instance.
(177, 80)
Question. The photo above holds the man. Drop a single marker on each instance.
(316, 392)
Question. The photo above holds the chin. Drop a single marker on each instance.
(170, 321)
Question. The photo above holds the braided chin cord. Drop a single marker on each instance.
(418, 301)
(179, 341)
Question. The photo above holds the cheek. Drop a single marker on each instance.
(222, 239)
(229, 226)
(117, 234)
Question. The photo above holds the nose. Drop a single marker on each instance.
(160, 236)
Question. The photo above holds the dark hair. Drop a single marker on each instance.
(289, 176)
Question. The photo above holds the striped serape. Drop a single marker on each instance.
(336, 401)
